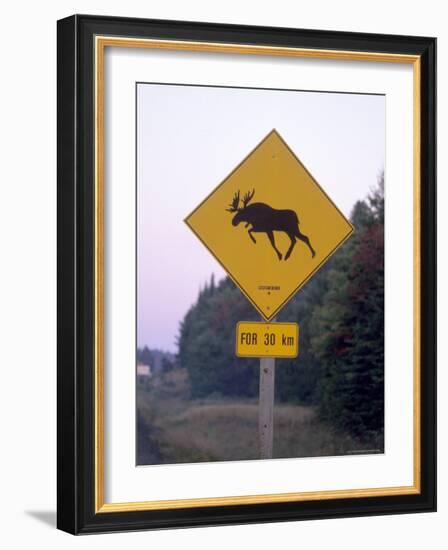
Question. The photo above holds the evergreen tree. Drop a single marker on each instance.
(207, 344)
(349, 328)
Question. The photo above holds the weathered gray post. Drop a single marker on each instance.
(266, 407)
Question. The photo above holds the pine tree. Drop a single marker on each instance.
(349, 328)
(207, 344)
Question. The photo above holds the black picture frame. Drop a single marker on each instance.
(76, 475)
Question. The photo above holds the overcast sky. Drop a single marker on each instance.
(189, 138)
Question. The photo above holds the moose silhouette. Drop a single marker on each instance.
(264, 219)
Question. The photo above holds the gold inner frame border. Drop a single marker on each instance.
(100, 44)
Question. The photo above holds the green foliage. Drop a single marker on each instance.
(157, 359)
(348, 329)
(207, 343)
(145, 356)
(297, 379)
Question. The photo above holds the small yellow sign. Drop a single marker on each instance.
(267, 339)
(270, 225)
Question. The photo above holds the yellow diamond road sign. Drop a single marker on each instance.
(270, 225)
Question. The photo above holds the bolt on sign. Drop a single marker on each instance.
(267, 339)
(270, 225)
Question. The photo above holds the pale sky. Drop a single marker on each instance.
(189, 138)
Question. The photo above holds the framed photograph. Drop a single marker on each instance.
(246, 274)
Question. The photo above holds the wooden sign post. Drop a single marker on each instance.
(266, 407)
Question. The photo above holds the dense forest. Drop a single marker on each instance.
(340, 367)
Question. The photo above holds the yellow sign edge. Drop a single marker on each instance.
(296, 325)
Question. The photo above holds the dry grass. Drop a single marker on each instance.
(218, 430)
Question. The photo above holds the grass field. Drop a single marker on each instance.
(173, 428)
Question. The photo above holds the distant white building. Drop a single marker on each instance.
(143, 370)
